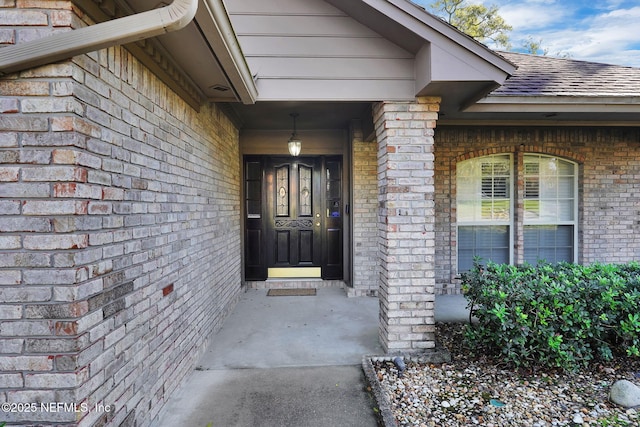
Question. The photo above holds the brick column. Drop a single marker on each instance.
(364, 213)
(406, 224)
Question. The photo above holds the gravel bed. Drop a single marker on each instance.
(472, 391)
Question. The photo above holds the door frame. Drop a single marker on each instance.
(256, 227)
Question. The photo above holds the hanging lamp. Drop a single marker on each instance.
(295, 145)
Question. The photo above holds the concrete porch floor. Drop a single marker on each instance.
(289, 361)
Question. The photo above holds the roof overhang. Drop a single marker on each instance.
(212, 63)
(220, 45)
(212, 68)
(140, 26)
(548, 90)
(549, 111)
(448, 63)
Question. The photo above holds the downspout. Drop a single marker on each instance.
(124, 30)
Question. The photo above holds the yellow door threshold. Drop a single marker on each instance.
(294, 272)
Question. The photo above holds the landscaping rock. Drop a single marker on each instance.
(472, 385)
(625, 393)
(577, 419)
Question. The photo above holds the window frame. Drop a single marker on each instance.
(509, 223)
(517, 221)
(574, 205)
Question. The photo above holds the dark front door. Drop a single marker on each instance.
(294, 217)
(294, 226)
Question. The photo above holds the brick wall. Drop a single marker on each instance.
(609, 185)
(365, 217)
(120, 245)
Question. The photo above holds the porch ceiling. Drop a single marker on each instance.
(312, 115)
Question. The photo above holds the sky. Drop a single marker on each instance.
(606, 31)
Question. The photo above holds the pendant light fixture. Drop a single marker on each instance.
(295, 145)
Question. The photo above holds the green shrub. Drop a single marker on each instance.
(562, 315)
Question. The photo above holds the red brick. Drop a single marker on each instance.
(76, 190)
(66, 328)
(65, 190)
(167, 290)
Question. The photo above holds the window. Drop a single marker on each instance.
(549, 209)
(485, 209)
(253, 189)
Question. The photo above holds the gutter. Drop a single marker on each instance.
(568, 103)
(124, 30)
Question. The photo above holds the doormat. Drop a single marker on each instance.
(291, 292)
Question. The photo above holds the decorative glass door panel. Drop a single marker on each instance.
(283, 189)
(304, 191)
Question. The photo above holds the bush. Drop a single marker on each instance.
(561, 316)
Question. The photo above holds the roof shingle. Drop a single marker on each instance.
(551, 76)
